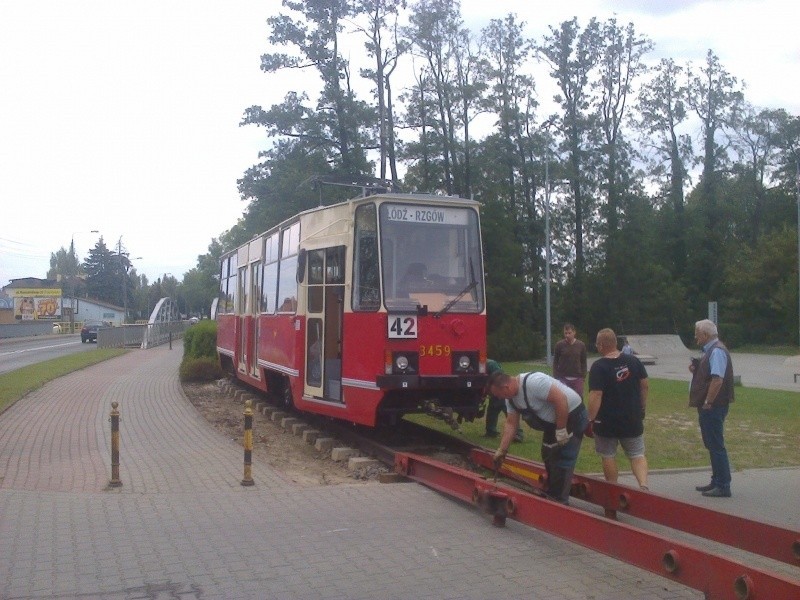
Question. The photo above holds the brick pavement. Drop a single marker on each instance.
(181, 526)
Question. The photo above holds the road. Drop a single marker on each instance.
(16, 353)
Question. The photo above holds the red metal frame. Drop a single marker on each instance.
(715, 575)
(767, 540)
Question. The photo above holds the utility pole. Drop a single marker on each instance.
(124, 272)
(548, 325)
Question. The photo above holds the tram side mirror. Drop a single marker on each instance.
(301, 265)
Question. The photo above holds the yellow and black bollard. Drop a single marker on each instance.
(248, 444)
(115, 481)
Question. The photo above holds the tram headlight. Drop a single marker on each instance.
(465, 362)
(401, 362)
(405, 362)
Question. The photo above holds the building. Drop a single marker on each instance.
(32, 300)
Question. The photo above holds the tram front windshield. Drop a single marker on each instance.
(430, 256)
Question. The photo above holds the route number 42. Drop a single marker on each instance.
(402, 327)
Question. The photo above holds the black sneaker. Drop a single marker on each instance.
(491, 434)
(718, 492)
(705, 488)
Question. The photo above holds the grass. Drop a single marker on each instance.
(762, 429)
(15, 384)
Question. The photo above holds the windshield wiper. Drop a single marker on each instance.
(472, 284)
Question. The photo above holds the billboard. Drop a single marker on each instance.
(31, 304)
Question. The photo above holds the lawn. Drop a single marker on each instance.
(15, 384)
(762, 429)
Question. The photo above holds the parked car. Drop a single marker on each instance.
(89, 331)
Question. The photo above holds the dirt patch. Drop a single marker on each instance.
(288, 454)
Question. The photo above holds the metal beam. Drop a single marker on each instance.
(716, 576)
(767, 540)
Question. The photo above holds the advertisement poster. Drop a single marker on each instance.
(34, 304)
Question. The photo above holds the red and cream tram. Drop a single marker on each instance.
(364, 310)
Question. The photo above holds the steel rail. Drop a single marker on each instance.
(757, 537)
(718, 577)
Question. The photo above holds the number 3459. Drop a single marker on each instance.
(434, 350)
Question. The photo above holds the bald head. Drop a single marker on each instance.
(606, 341)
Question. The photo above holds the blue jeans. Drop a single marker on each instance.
(559, 461)
(712, 422)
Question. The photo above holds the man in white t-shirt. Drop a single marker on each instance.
(547, 405)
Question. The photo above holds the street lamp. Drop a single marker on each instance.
(548, 324)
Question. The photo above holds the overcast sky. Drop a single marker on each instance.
(122, 117)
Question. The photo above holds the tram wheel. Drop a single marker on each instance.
(286, 394)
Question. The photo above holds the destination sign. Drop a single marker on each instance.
(432, 215)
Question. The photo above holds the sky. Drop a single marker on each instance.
(123, 117)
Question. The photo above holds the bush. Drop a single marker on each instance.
(200, 340)
(732, 334)
(512, 342)
(200, 369)
(200, 361)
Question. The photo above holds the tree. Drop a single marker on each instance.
(104, 272)
(714, 96)
(65, 268)
(771, 268)
(336, 125)
(510, 92)
(573, 55)
(433, 29)
(386, 55)
(662, 109)
(201, 284)
(753, 139)
(620, 65)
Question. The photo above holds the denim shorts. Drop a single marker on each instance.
(607, 446)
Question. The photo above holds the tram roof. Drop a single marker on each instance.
(396, 196)
(403, 197)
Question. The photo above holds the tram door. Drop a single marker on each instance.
(256, 253)
(242, 294)
(325, 302)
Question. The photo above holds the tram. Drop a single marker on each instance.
(364, 310)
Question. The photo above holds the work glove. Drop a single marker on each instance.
(589, 431)
(562, 436)
(499, 457)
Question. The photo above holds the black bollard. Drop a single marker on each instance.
(115, 481)
(248, 444)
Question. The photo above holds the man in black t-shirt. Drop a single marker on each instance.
(618, 389)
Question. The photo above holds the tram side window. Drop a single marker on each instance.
(227, 286)
(334, 265)
(316, 291)
(366, 274)
(287, 272)
(270, 282)
(242, 291)
(223, 287)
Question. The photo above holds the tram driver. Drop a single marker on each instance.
(416, 276)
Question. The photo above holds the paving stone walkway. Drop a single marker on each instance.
(182, 526)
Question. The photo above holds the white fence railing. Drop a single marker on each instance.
(144, 335)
